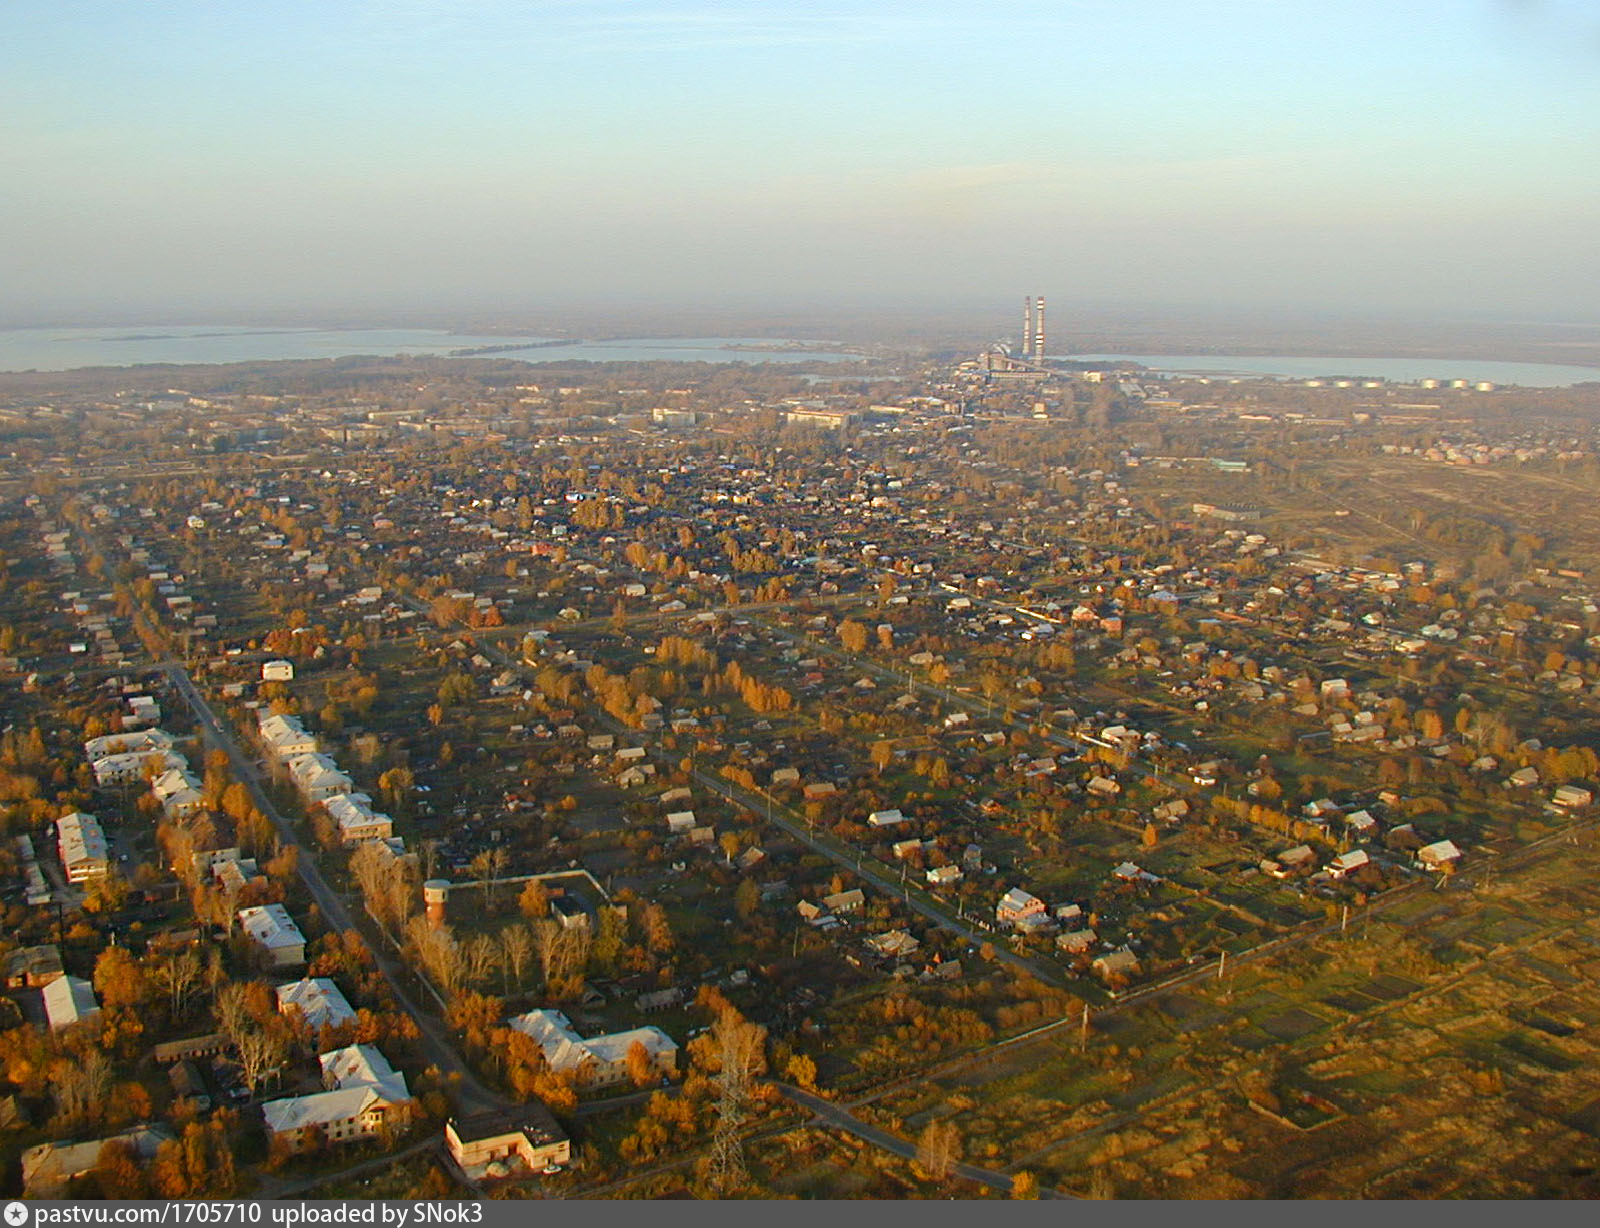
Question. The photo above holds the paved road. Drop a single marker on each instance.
(470, 1093)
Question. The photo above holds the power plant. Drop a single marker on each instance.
(1024, 364)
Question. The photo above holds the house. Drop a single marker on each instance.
(1440, 856)
(894, 944)
(638, 774)
(191, 1047)
(69, 1000)
(841, 902)
(178, 791)
(785, 776)
(1103, 786)
(81, 843)
(944, 876)
(680, 823)
(811, 913)
(659, 1000)
(483, 1141)
(1298, 856)
(318, 1000)
(33, 967)
(187, 1084)
(819, 789)
(1361, 825)
(277, 671)
(1076, 942)
(569, 913)
(599, 1061)
(363, 1066)
(345, 1115)
(141, 742)
(125, 769)
(317, 777)
(357, 821)
(1116, 965)
(284, 736)
(274, 929)
(1017, 905)
(1348, 863)
(1571, 796)
(48, 1168)
(885, 818)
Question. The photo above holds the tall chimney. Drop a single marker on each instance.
(1027, 325)
(1038, 332)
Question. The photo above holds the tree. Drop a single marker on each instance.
(117, 1172)
(179, 974)
(563, 954)
(853, 636)
(81, 1084)
(938, 1149)
(802, 1071)
(1024, 1186)
(516, 942)
(481, 953)
(641, 1069)
(489, 865)
(534, 902)
(396, 786)
(608, 942)
(746, 899)
(656, 928)
(119, 980)
(261, 1051)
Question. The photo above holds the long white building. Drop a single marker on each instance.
(82, 845)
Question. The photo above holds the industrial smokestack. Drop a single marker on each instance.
(1027, 325)
(1038, 332)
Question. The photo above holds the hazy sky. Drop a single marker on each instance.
(190, 156)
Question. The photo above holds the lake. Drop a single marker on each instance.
(1396, 370)
(64, 349)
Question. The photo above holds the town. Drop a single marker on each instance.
(934, 771)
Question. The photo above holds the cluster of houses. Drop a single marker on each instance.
(146, 755)
(68, 1000)
(319, 780)
(1025, 913)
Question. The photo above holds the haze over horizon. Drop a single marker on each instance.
(412, 157)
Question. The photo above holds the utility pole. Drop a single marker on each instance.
(1222, 965)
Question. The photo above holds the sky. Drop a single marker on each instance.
(189, 159)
